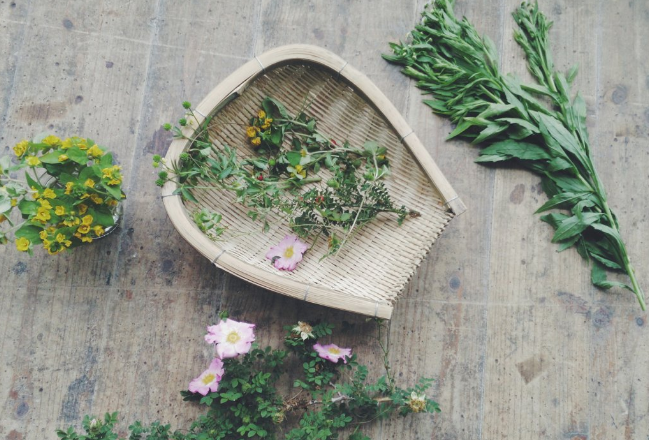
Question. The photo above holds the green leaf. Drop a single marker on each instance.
(553, 219)
(561, 200)
(558, 137)
(52, 157)
(489, 132)
(106, 160)
(558, 164)
(269, 105)
(293, 157)
(598, 278)
(568, 243)
(30, 232)
(574, 225)
(606, 262)
(77, 155)
(515, 149)
(495, 110)
(27, 207)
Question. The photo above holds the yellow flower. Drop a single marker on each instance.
(112, 203)
(95, 198)
(95, 151)
(49, 194)
(261, 114)
(76, 234)
(83, 146)
(67, 243)
(112, 182)
(86, 239)
(22, 244)
(269, 120)
(42, 215)
(98, 230)
(60, 238)
(303, 152)
(89, 183)
(51, 140)
(87, 220)
(43, 234)
(83, 229)
(36, 194)
(59, 210)
(265, 126)
(85, 196)
(47, 244)
(68, 187)
(75, 221)
(256, 141)
(82, 208)
(251, 132)
(33, 161)
(298, 168)
(14, 202)
(21, 148)
(63, 158)
(45, 204)
(107, 173)
(66, 144)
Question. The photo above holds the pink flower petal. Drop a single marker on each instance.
(277, 253)
(332, 352)
(209, 379)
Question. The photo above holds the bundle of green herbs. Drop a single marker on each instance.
(538, 126)
(291, 156)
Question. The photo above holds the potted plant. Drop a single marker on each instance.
(70, 194)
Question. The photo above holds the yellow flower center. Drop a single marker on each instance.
(208, 379)
(233, 337)
(334, 350)
(288, 253)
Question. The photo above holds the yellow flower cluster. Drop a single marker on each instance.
(112, 174)
(61, 212)
(260, 123)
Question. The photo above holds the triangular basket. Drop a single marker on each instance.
(368, 275)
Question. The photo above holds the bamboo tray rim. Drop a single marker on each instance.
(231, 88)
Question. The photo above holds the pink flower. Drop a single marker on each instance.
(332, 352)
(231, 337)
(287, 253)
(209, 379)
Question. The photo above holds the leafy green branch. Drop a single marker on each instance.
(538, 126)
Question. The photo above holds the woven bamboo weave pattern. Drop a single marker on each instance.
(378, 260)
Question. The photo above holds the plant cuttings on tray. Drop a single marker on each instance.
(292, 155)
(513, 120)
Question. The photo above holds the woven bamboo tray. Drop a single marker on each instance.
(370, 272)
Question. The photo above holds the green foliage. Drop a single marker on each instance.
(538, 126)
(280, 178)
(330, 397)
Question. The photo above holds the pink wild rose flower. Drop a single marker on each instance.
(209, 379)
(332, 352)
(232, 338)
(287, 253)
